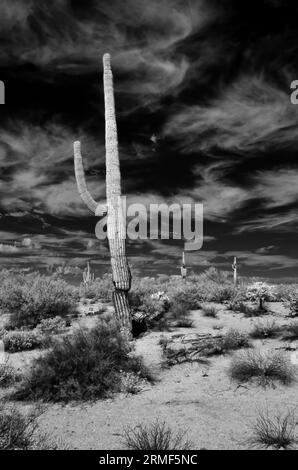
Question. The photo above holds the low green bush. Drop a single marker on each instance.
(100, 289)
(86, 365)
(51, 326)
(22, 340)
(234, 339)
(32, 298)
(8, 375)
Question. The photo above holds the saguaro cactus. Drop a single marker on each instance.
(115, 221)
(183, 267)
(88, 276)
(234, 267)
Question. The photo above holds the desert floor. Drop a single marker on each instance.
(198, 398)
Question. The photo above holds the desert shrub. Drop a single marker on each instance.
(155, 436)
(184, 323)
(276, 431)
(18, 431)
(265, 368)
(209, 310)
(234, 339)
(214, 275)
(131, 382)
(181, 305)
(283, 292)
(144, 287)
(292, 331)
(51, 326)
(239, 306)
(8, 375)
(179, 311)
(218, 285)
(31, 298)
(153, 308)
(163, 341)
(293, 304)
(150, 303)
(265, 329)
(3, 331)
(86, 365)
(100, 289)
(238, 297)
(157, 303)
(250, 311)
(260, 292)
(230, 341)
(22, 340)
(219, 292)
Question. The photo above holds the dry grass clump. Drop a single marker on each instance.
(155, 436)
(18, 430)
(184, 323)
(234, 339)
(266, 368)
(277, 431)
(209, 310)
(265, 329)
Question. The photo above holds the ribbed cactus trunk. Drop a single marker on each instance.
(115, 223)
(116, 229)
(234, 267)
(183, 267)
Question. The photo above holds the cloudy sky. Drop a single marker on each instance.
(204, 115)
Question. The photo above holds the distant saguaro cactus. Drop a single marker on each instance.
(88, 276)
(183, 267)
(234, 267)
(115, 222)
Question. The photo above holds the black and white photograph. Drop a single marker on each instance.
(148, 228)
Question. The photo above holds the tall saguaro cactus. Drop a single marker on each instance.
(183, 267)
(234, 267)
(115, 219)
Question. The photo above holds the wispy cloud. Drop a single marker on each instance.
(250, 115)
(66, 38)
(277, 187)
(39, 162)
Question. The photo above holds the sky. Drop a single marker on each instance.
(202, 92)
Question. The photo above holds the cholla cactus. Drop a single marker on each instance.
(88, 276)
(260, 291)
(113, 209)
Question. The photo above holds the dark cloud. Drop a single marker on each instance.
(204, 115)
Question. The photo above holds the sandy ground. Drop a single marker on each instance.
(201, 399)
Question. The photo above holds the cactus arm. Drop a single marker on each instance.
(97, 209)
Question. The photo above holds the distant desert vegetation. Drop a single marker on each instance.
(212, 365)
